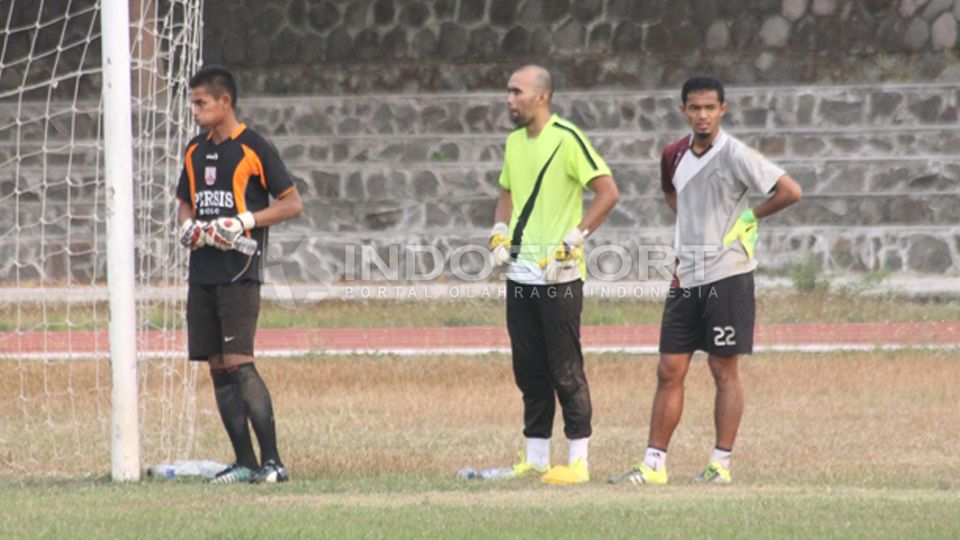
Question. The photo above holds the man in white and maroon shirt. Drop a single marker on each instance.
(707, 178)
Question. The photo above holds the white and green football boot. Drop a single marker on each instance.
(271, 472)
(641, 474)
(715, 473)
(232, 475)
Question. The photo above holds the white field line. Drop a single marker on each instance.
(478, 351)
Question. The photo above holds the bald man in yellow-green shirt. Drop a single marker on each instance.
(539, 232)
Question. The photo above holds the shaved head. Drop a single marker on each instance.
(530, 90)
(539, 76)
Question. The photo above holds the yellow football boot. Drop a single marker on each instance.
(575, 473)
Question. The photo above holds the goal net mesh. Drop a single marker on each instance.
(54, 356)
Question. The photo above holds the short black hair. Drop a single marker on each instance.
(218, 80)
(699, 84)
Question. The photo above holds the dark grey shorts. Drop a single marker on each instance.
(717, 318)
(222, 319)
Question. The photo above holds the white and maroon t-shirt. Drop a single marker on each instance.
(712, 191)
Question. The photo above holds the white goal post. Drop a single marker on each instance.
(118, 173)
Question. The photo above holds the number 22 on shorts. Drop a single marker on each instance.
(724, 336)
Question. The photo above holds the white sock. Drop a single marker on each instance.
(579, 449)
(655, 458)
(721, 456)
(538, 452)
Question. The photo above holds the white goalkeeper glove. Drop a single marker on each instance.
(567, 255)
(500, 244)
(191, 234)
(222, 233)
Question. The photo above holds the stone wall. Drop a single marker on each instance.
(331, 46)
(878, 165)
(878, 162)
(338, 46)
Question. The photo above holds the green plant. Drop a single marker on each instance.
(808, 276)
(875, 277)
(869, 281)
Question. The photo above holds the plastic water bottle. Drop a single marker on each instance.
(163, 470)
(247, 246)
(496, 473)
(185, 468)
(468, 473)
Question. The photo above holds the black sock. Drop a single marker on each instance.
(260, 409)
(233, 412)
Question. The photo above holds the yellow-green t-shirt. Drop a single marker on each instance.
(545, 177)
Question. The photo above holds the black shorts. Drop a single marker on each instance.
(717, 318)
(222, 319)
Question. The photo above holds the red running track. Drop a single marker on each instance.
(344, 340)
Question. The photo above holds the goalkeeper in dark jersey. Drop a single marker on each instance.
(229, 175)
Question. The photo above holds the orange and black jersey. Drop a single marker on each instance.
(223, 180)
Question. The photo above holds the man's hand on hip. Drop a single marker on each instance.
(567, 255)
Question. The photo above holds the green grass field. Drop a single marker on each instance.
(844, 445)
(771, 308)
(419, 507)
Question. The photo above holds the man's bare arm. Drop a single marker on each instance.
(606, 196)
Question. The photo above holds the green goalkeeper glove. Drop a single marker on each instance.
(744, 230)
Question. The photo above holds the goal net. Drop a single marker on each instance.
(54, 355)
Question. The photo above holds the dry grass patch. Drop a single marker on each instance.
(853, 419)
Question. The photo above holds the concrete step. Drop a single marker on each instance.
(769, 107)
(80, 153)
(463, 211)
(304, 151)
(37, 121)
(85, 232)
(829, 177)
(918, 176)
(623, 145)
(36, 153)
(636, 212)
(295, 256)
(648, 111)
(300, 257)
